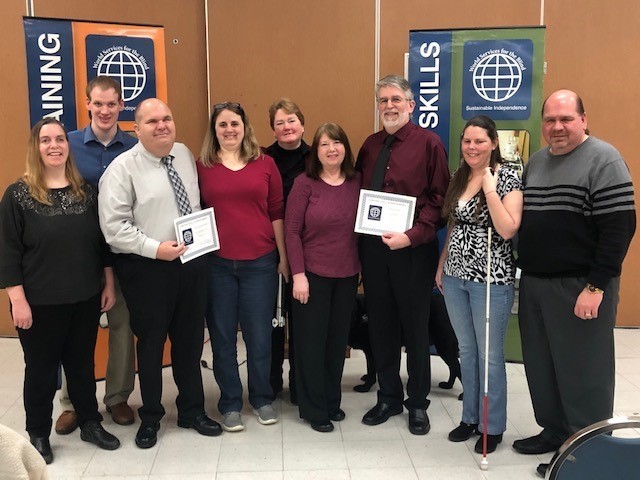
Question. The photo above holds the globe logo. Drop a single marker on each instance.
(497, 77)
(127, 69)
(375, 212)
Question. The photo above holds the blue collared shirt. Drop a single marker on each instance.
(92, 157)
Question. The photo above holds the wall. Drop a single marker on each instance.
(322, 55)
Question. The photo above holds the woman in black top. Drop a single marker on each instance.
(54, 266)
(290, 153)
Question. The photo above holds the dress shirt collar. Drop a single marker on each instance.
(144, 153)
(401, 134)
(89, 136)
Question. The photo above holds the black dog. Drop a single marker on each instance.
(441, 335)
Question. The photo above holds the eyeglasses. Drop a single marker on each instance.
(232, 106)
(222, 106)
(393, 101)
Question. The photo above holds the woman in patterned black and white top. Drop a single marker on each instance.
(482, 192)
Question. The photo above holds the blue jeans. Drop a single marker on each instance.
(466, 304)
(244, 292)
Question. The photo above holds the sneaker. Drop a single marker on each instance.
(266, 415)
(232, 422)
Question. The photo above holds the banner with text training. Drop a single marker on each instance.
(63, 55)
(458, 74)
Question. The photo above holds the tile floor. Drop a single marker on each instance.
(290, 450)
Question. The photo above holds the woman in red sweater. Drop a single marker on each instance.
(245, 189)
(323, 252)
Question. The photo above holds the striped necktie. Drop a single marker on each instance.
(178, 187)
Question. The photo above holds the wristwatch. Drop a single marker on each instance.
(593, 289)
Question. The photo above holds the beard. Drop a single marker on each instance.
(396, 122)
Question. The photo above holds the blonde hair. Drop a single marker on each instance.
(34, 176)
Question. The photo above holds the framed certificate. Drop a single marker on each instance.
(199, 233)
(380, 212)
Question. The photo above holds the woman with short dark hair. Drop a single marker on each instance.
(323, 255)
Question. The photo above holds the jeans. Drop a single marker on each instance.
(244, 292)
(466, 304)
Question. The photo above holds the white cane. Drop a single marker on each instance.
(484, 465)
(279, 320)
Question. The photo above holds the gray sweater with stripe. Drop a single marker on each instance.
(579, 213)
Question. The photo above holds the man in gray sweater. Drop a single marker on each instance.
(578, 221)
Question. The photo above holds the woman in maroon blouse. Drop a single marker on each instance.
(245, 189)
(323, 255)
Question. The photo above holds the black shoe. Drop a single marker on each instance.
(147, 435)
(492, 443)
(43, 447)
(542, 469)
(323, 426)
(203, 425)
(418, 421)
(93, 432)
(337, 415)
(381, 413)
(448, 385)
(463, 432)
(535, 445)
(369, 381)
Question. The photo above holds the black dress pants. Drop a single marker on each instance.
(166, 298)
(60, 333)
(397, 285)
(322, 330)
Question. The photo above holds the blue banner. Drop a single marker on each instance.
(50, 71)
(430, 62)
(496, 79)
(128, 60)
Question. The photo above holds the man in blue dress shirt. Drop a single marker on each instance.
(93, 149)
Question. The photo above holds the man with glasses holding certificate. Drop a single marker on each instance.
(398, 267)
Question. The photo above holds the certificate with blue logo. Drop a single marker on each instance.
(198, 231)
(380, 212)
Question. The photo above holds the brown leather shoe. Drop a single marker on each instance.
(67, 422)
(121, 413)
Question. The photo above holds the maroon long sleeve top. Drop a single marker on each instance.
(245, 203)
(417, 167)
(319, 224)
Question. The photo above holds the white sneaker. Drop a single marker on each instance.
(232, 422)
(266, 415)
